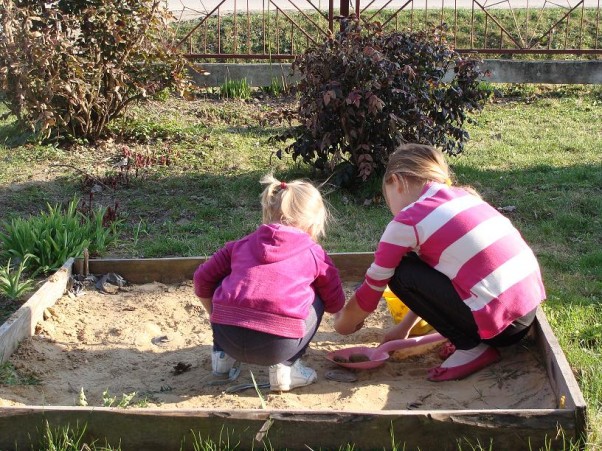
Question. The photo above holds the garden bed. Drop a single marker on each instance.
(153, 338)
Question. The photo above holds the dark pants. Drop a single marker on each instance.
(431, 295)
(260, 348)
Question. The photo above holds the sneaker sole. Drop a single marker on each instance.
(289, 387)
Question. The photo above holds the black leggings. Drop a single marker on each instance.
(431, 295)
(260, 348)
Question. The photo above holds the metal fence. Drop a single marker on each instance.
(255, 30)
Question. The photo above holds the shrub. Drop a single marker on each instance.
(69, 67)
(364, 92)
(56, 235)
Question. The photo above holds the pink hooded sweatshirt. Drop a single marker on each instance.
(268, 280)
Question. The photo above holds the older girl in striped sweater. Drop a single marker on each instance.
(454, 260)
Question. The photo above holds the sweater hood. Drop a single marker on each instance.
(276, 242)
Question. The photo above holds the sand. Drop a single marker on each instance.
(152, 343)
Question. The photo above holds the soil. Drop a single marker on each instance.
(153, 342)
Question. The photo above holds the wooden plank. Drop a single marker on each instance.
(561, 376)
(21, 324)
(155, 429)
(352, 267)
(144, 270)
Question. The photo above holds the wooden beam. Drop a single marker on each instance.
(145, 270)
(561, 376)
(22, 323)
(160, 429)
(352, 267)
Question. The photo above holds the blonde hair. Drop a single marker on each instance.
(297, 203)
(418, 163)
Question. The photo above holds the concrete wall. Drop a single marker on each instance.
(502, 71)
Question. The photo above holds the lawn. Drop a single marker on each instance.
(534, 150)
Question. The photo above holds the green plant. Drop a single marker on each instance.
(53, 236)
(276, 87)
(68, 438)
(235, 89)
(141, 227)
(163, 95)
(10, 376)
(110, 401)
(199, 443)
(365, 92)
(62, 438)
(11, 284)
(70, 67)
(145, 131)
(255, 386)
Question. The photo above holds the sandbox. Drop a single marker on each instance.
(153, 338)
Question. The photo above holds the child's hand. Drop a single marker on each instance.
(350, 319)
(395, 333)
(402, 330)
(207, 303)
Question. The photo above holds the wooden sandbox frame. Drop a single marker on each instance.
(167, 429)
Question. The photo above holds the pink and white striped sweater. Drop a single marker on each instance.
(491, 267)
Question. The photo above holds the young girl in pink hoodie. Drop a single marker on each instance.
(266, 293)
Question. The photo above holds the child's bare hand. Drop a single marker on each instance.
(350, 318)
(402, 330)
(395, 333)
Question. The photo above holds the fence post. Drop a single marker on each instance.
(344, 12)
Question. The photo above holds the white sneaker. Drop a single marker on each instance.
(223, 365)
(285, 378)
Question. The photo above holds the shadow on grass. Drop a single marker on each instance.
(195, 212)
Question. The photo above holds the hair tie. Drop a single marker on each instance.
(282, 185)
(448, 181)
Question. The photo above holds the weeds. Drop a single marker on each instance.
(68, 438)
(12, 286)
(224, 443)
(276, 87)
(235, 89)
(112, 401)
(141, 228)
(261, 400)
(9, 375)
(148, 130)
(62, 438)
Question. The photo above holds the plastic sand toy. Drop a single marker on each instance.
(398, 310)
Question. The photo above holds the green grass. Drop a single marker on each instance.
(535, 148)
(69, 438)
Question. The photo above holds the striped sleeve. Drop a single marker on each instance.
(396, 241)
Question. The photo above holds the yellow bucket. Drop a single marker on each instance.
(398, 310)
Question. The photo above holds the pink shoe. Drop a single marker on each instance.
(446, 350)
(438, 374)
